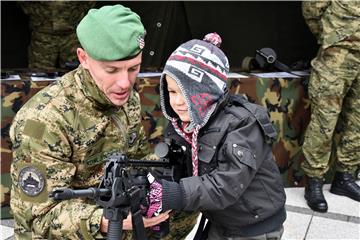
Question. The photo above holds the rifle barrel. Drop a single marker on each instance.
(68, 193)
(148, 163)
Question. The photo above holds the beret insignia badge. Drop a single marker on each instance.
(141, 42)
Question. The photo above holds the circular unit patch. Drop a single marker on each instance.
(31, 181)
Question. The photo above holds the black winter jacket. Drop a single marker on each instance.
(239, 186)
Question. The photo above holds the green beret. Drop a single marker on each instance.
(111, 33)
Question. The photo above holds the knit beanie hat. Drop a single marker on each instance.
(200, 70)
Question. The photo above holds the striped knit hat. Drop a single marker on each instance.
(200, 70)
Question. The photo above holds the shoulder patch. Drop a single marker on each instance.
(34, 129)
(31, 181)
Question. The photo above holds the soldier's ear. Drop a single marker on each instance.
(83, 57)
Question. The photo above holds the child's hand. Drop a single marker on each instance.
(154, 197)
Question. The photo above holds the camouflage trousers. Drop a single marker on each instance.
(334, 91)
(50, 51)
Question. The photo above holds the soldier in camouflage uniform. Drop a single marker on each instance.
(334, 93)
(53, 37)
(61, 135)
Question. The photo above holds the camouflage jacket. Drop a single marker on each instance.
(334, 22)
(59, 138)
(57, 17)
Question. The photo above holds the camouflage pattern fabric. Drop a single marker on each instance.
(312, 13)
(49, 51)
(53, 38)
(59, 139)
(334, 89)
(179, 225)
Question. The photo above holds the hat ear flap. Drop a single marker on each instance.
(165, 99)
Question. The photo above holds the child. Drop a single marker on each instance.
(232, 177)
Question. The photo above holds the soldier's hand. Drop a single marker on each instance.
(149, 222)
(127, 224)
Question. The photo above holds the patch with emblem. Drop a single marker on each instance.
(132, 138)
(141, 42)
(31, 181)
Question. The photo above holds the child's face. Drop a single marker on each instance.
(177, 100)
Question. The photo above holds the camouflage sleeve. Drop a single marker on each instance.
(312, 12)
(41, 163)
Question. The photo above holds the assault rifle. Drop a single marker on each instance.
(123, 187)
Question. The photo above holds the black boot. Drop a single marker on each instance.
(314, 195)
(344, 184)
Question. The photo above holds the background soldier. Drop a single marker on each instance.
(53, 37)
(334, 94)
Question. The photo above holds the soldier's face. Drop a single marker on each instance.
(177, 100)
(115, 78)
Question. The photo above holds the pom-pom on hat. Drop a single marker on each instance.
(111, 33)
